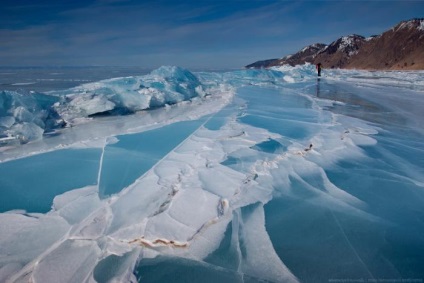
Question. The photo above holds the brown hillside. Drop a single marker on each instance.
(400, 48)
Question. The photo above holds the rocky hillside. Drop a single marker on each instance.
(400, 48)
(307, 54)
(340, 52)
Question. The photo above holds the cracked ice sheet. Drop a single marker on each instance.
(166, 214)
(66, 220)
(175, 209)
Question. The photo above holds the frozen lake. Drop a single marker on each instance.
(241, 176)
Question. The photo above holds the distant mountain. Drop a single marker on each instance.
(307, 54)
(400, 48)
(263, 64)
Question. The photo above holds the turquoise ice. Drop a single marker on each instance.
(241, 176)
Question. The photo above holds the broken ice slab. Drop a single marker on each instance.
(135, 154)
(245, 255)
(114, 268)
(80, 256)
(25, 237)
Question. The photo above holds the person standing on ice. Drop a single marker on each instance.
(319, 67)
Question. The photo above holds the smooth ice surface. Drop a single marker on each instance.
(242, 176)
(32, 183)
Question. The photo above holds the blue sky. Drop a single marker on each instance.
(192, 34)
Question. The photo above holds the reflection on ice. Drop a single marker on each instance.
(272, 177)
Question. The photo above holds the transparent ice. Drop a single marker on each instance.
(243, 176)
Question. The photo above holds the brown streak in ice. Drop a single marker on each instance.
(157, 243)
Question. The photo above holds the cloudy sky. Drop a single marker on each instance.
(187, 33)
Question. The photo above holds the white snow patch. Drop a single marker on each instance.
(288, 79)
(346, 41)
(421, 26)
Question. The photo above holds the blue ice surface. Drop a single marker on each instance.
(219, 119)
(316, 241)
(287, 114)
(220, 266)
(134, 154)
(31, 183)
(180, 270)
(319, 243)
(270, 146)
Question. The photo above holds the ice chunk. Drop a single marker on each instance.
(166, 85)
(288, 79)
(7, 121)
(204, 210)
(26, 132)
(89, 105)
(257, 255)
(21, 114)
(76, 205)
(93, 226)
(81, 257)
(222, 181)
(24, 237)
